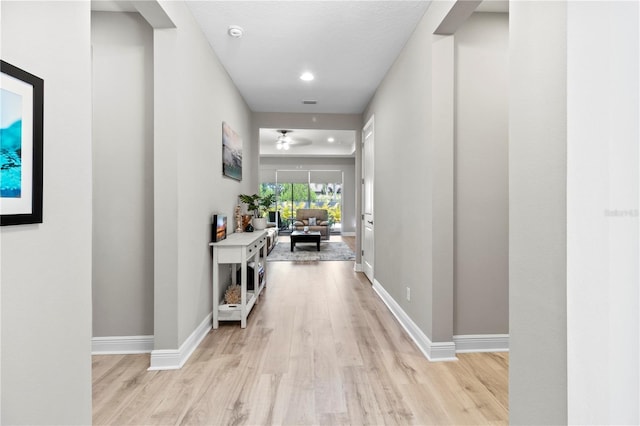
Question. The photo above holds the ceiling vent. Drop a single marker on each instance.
(309, 102)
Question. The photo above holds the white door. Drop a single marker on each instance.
(367, 200)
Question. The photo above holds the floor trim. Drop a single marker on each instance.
(482, 343)
(434, 351)
(174, 359)
(121, 345)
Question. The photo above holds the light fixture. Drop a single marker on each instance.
(331, 140)
(283, 141)
(235, 31)
(306, 76)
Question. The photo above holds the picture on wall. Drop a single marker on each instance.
(21, 118)
(231, 153)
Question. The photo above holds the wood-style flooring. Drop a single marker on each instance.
(320, 349)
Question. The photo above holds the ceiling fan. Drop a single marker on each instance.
(283, 141)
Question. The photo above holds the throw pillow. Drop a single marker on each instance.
(312, 221)
(323, 223)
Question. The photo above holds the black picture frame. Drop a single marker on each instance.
(218, 228)
(21, 146)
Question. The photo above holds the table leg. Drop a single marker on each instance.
(243, 289)
(318, 244)
(293, 244)
(214, 290)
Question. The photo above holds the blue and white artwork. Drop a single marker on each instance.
(231, 153)
(21, 146)
(10, 144)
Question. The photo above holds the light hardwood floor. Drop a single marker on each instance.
(320, 348)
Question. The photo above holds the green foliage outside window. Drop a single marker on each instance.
(334, 212)
(292, 197)
(268, 188)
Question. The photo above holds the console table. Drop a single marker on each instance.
(238, 249)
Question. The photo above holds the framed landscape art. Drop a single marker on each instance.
(218, 228)
(21, 118)
(231, 153)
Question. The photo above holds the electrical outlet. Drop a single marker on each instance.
(408, 294)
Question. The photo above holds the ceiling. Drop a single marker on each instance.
(348, 46)
(306, 142)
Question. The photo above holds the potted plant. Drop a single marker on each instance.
(258, 205)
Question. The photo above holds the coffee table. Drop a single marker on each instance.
(305, 237)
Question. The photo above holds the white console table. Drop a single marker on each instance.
(238, 248)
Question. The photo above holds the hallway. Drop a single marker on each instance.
(319, 348)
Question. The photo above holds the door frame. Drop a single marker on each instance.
(369, 272)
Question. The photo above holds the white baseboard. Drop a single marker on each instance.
(173, 359)
(357, 267)
(348, 234)
(482, 343)
(434, 351)
(120, 345)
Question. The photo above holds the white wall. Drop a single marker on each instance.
(573, 168)
(441, 120)
(403, 179)
(481, 283)
(46, 268)
(193, 95)
(122, 47)
(602, 189)
(346, 165)
(537, 213)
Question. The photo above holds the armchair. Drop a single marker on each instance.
(305, 217)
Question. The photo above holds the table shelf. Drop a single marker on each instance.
(238, 249)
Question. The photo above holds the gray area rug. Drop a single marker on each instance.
(307, 252)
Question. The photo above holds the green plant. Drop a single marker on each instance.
(285, 211)
(257, 204)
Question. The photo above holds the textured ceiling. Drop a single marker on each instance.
(347, 45)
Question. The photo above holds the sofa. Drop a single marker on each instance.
(274, 220)
(272, 238)
(304, 217)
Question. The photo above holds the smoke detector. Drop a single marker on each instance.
(235, 31)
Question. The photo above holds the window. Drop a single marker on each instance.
(300, 189)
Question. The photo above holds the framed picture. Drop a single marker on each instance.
(218, 228)
(231, 153)
(21, 117)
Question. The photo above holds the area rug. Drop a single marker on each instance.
(306, 252)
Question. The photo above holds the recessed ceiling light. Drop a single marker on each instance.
(331, 140)
(235, 31)
(307, 76)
